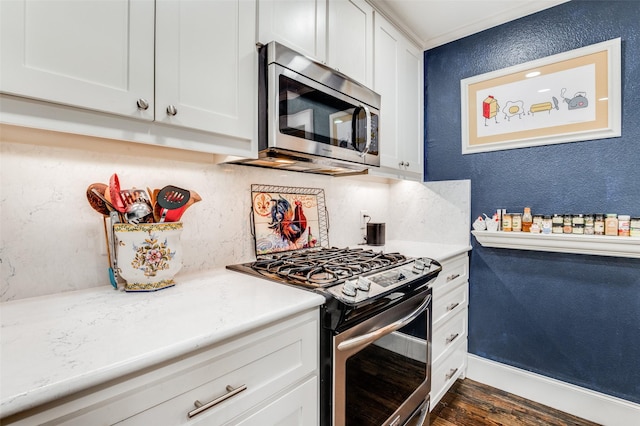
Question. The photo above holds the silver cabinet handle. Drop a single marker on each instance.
(452, 306)
(452, 277)
(142, 104)
(172, 110)
(452, 338)
(200, 407)
(375, 335)
(451, 373)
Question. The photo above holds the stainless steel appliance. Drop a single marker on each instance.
(313, 118)
(373, 371)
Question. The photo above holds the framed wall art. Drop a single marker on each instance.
(569, 97)
(288, 218)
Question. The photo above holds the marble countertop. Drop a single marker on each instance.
(435, 251)
(53, 346)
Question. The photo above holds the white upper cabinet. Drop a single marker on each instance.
(96, 54)
(350, 41)
(398, 78)
(187, 68)
(298, 24)
(205, 51)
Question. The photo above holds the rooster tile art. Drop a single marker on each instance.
(284, 222)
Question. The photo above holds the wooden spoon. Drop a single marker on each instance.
(94, 199)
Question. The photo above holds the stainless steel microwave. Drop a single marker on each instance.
(312, 118)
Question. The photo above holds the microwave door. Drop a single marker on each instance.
(311, 118)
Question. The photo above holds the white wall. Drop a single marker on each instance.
(51, 240)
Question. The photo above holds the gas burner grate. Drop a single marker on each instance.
(325, 267)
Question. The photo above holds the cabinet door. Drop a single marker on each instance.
(350, 39)
(298, 24)
(206, 69)
(398, 79)
(410, 95)
(91, 54)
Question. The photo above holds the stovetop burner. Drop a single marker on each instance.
(325, 267)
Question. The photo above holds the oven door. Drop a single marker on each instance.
(382, 375)
(308, 117)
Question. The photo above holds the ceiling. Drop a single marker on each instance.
(433, 23)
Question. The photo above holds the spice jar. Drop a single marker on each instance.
(506, 222)
(527, 220)
(557, 223)
(611, 224)
(598, 224)
(588, 224)
(546, 224)
(577, 224)
(516, 222)
(567, 224)
(624, 225)
(635, 227)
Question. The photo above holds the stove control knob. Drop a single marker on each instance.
(363, 284)
(421, 264)
(349, 288)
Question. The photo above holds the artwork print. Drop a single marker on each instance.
(568, 97)
(287, 219)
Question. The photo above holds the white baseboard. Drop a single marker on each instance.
(590, 405)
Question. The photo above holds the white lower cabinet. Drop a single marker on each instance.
(450, 325)
(276, 366)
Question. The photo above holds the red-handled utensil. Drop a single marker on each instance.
(114, 192)
(170, 198)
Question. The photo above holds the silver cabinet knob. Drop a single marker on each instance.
(406, 164)
(143, 104)
(172, 110)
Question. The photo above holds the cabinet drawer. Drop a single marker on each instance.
(267, 360)
(448, 304)
(446, 371)
(297, 407)
(265, 367)
(449, 333)
(454, 271)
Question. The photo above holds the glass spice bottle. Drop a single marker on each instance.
(506, 222)
(546, 224)
(588, 224)
(568, 224)
(598, 224)
(634, 229)
(516, 222)
(577, 224)
(611, 224)
(557, 222)
(527, 220)
(624, 225)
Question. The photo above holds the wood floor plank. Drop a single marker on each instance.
(470, 403)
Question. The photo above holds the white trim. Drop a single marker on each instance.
(585, 403)
(597, 245)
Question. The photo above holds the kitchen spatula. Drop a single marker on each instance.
(170, 198)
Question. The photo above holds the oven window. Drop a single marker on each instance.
(380, 378)
(309, 113)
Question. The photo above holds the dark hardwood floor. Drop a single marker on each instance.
(470, 403)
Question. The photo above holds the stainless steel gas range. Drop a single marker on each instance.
(373, 371)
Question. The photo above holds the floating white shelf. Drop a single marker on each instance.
(597, 245)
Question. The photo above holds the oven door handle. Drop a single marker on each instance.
(365, 339)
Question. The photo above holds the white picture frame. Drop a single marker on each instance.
(568, 97)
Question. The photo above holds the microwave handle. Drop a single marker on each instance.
(367, 129)
(367, 113)
(365, 339)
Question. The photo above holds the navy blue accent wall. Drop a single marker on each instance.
(572, 317)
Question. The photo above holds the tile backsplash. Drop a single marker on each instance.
(52, 241)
